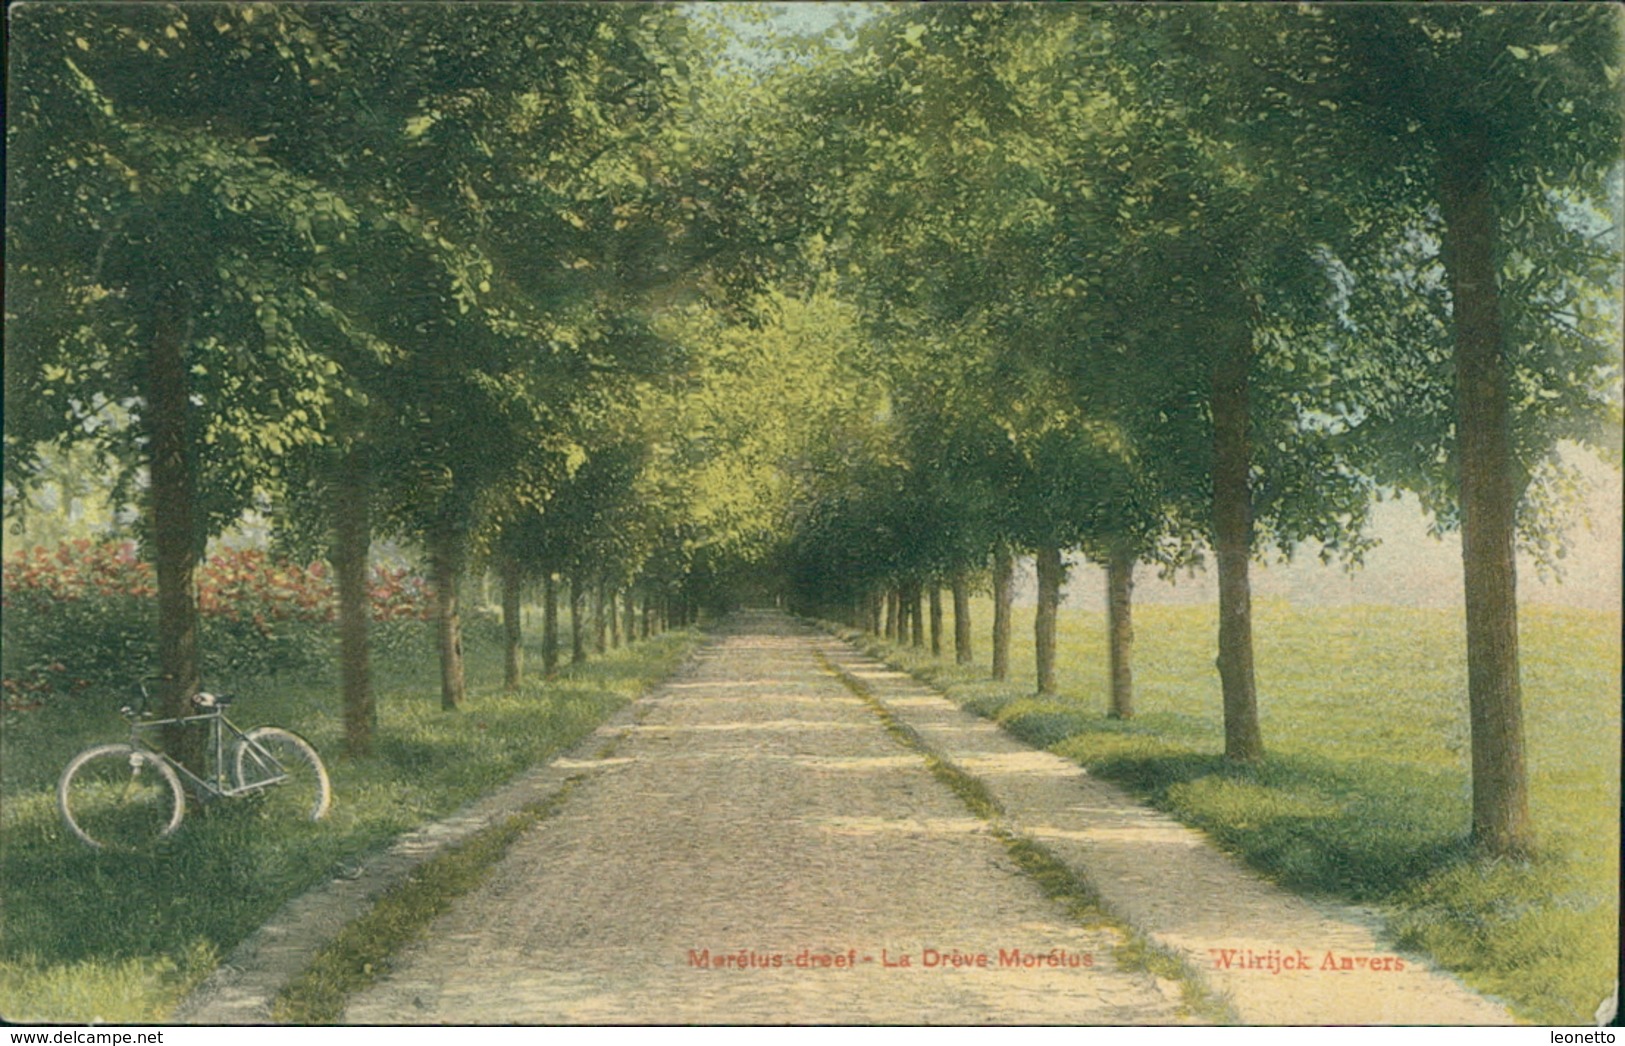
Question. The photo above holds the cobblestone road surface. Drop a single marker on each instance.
(759, 849)
(759, 811)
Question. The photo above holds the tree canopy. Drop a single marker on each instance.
(664, 298)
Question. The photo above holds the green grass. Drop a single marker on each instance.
(89, 936)
(1364, 794)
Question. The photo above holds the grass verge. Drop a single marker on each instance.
(1364, 794)
(1053, 876)
(360, 954)
(94, 937)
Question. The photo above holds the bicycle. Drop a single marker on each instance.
(128, 795)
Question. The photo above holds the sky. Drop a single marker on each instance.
(789, 18)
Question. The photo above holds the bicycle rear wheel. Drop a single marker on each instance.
(285, 770)
(120, 797)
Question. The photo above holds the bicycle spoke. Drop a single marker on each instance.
(285, 771)
(119, 798)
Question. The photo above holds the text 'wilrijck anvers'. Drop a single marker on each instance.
(1277, 960)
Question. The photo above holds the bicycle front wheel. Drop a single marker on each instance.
(284, 770)
(120, 797)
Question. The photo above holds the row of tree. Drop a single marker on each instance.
(658, 299)
(1157, 281)
(371, 272)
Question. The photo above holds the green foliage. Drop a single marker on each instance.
(780, 404)
(427, 238)
(671, 298)
(102, 183)
(1538, 91)
(1048, 262)
(451, 239)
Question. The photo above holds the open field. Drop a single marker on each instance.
(1364, 792)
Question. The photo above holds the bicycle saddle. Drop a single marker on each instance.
(203, 699)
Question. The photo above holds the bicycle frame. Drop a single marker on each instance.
(220, 727)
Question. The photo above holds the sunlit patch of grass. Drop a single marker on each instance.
(121, 991)
(1364, 793)
(986, 697)
(1041, 723)
(143, 916)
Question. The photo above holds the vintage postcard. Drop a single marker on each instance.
(718, 514)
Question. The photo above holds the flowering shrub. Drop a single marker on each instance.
(90, 609)
(84, 615)
(246, 584)
(400, 595)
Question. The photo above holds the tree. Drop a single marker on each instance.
(1204, 294)
(168, 270)
(556, 199)
(967, 234)
(1501, 144)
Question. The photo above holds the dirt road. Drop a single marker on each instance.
(760, 850)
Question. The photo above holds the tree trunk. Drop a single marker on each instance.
(962, 634)
(513, 650)
(893, 603)
(446, 564)
(1004, 584)
(352, 539)
(174, 527)
(550, 624)
(934, 601)
(1489, 502)
(1120, 631)
(578, 634)
(648, 622)
(600, 623)
(1050, 575)
(629, 616)
(1233, 543)
(916, 617)
(876, 602)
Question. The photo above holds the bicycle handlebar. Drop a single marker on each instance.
(200, 699)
